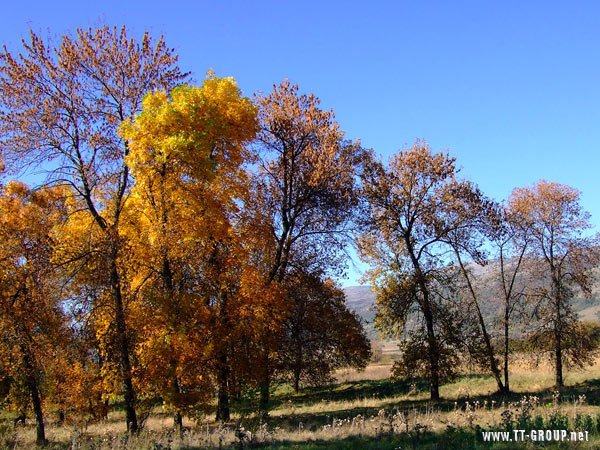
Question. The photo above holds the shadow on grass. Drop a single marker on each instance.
(351, 390)
(386, 388)
(378, 389)
(354, 390)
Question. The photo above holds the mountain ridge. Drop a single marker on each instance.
(361, 300)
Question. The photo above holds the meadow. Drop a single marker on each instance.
(360, 410)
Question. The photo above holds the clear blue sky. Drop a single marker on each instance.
(512, 88)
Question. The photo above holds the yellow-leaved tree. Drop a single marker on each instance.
(33, 326)
(61, 104)
(196, 281)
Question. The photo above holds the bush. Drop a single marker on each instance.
(584, 422)
(8, 436)
(558, 421)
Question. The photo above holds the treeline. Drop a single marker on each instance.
(427, 234)
(180, 248)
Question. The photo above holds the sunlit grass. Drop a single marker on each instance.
(362, 407)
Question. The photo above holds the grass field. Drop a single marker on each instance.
(362, 410)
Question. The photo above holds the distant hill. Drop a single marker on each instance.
(361, 300)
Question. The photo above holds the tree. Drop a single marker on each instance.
(61, 106)
(470, 216)
(305, 189)
(307, 175)
(320, 334)
(32, 323)
(188, 157)
(509, 239)
(74, 379)
(413, 208)
(564, 259)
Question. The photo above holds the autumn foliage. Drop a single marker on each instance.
(152, 265)
(182, 248)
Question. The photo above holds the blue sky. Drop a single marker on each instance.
(512, 89)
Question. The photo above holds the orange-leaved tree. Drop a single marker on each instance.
(320, 334)
(563, 258)
(33, 325)
(413, 208)
(306, 187)
(60, 109)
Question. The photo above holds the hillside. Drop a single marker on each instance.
(361, 300)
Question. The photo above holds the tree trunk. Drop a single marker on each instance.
(178, 422)
(105, 410)
(124, 360)
(34, 392)
(167, 275)
(223, 369)
(506, 318)
(298, 360)
(558, 348)
(434, 386)
(433, 354)
(265, 396)
(490, 350)
(39, 416)
(486, 337)
(223, 414)
(177, 417)
(297, 382)
(508, 296)
(559, 374)
(556, 288)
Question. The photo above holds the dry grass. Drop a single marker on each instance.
(384, 422)
(309, 417)
(372, 372)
